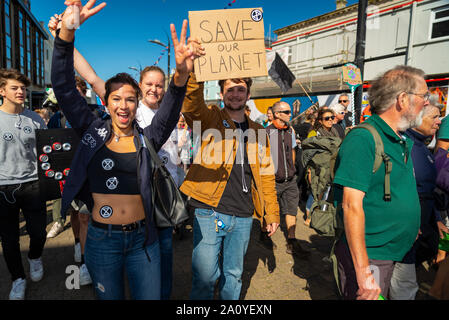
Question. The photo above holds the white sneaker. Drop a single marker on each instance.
(36, 269)
(85, 278)
(56, 229)
(77, 255)
(18, 289)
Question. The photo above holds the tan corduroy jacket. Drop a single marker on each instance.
(209, 173)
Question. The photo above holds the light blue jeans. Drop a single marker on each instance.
(109, 253)
(218, 254)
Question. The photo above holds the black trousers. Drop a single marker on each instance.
(23, 196)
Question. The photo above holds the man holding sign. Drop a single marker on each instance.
(232, 177)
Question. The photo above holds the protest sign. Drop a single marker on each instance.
(234, 43)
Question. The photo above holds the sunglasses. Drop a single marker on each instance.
(340, 101)
(285, 111)
(329, 118)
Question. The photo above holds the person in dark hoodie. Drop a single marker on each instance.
(111, 170)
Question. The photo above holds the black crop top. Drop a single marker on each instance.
(111, 172)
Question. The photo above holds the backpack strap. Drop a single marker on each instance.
(379, 157)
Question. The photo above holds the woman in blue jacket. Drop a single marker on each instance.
(111, 170)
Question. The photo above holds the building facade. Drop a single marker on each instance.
(414, 33)
(25, 46)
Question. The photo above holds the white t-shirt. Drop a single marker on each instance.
(169, 151)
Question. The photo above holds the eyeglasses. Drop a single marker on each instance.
(285, 111)
(425, 96)
(340, 101)
(329, 118)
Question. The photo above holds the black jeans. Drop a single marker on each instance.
(25, 196)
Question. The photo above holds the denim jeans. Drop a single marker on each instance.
(166, 246)
(208, 244)
(109, 253)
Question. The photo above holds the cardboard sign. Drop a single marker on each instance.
(351, 75)
(234, 43)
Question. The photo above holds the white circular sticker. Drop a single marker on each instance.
(112, 183)
(7, 136)
(256, 15)
(106, 212)
(107, 164)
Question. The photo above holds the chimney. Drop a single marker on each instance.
(341, 4)
(27, 3)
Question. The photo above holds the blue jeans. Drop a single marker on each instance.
(166, 246)
(207, 265)
(108, 253)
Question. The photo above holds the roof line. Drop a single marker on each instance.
(344, 22)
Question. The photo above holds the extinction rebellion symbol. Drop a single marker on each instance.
(256, 15)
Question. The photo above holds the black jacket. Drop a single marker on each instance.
(283, 155)
(95, 133)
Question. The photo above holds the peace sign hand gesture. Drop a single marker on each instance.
(185, 53)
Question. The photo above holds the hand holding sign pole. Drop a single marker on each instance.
(353, 78)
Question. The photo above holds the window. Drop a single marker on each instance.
(8, 35)
(440, 23)
(28, 48)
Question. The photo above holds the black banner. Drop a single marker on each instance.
(55, 151)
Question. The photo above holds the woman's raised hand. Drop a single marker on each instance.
(185, 53)
(76, 14)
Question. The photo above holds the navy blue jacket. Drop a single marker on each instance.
(95, 133)
(425, 174)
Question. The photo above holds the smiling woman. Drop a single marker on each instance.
(111, 171)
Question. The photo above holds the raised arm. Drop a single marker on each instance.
(81, 65)
(74, 106)
(88, 73)
(167, 117)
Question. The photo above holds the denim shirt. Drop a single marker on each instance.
(95, 132)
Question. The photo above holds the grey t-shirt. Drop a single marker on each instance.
(18, 158)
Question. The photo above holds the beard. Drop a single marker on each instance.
(235, 108)
(410, 120)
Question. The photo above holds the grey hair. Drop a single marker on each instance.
(386, 88)
(434, 101)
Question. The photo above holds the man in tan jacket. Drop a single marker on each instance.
(230, 181)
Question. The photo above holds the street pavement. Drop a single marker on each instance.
(268, 274)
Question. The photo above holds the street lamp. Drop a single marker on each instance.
(138, 71)
(156, 41)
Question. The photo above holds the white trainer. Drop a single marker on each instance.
(18, 289)
(77, 255)
(56, 229)
(36, 269)
(85, 278)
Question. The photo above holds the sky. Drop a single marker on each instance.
(117, 37)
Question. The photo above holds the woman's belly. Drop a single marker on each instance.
(117, 208)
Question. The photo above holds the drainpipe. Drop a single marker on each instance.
(411, 35)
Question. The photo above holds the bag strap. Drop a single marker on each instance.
(380, 156)
(147, 144)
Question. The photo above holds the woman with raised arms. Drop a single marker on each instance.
(112, 170)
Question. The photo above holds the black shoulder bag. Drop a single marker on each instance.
(169, 209)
